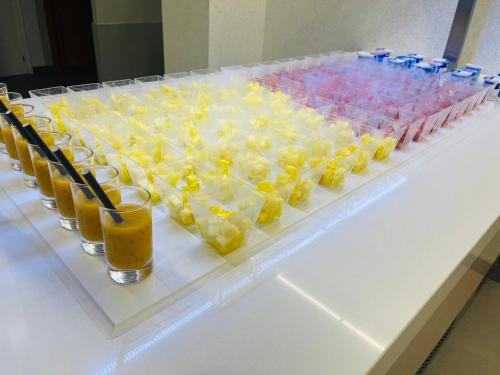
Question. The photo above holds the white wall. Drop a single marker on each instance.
(242, 31)
(482, 45)
(296, 27)
(185, 34)
(236, 31)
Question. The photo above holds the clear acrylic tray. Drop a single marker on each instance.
(182, 263)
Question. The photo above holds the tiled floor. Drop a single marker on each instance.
(473, 346)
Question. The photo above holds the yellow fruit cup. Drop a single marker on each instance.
(54, 99)
(306, 179)
(387, 132)
(116, 160)
(369, 141)
(268, 181)
(338, 166)
(340, 132)
(224, 213)
(175, 181)
(141, 161)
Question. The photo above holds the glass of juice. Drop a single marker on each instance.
(20, 110)
(39, 123)
(41, 165)
(79, 156)
(7, 98)
(87, 209)
(128, 244)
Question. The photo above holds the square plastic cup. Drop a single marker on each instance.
(175, 181)
(337, 167)
(269, 181)
(369, 140)
(128, 244)
(115, 159)
(54, 100)
(9, 99)
(177, 200)
(80, 157)
(141, 160)
(41, 166)
(224, 212)
(20, 110)
(306, 179)
(39, 123)
(87, 209)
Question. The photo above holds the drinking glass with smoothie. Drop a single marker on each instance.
(5, 99)
(20, 110)
(128, 243)
(79, 156)
(87, 208)
(3, 90)
(38, 123)
(8, 98)
(41, 165)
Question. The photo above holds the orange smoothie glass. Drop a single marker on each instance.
(41, 165)
(20, 110)
(7, 98)
(39, 123)
(79, 156)
(128, 245)
(87, 210)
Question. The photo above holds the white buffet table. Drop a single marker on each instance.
(344, 294)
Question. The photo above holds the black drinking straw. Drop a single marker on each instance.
(44, 150)
(12, 119)
(72, 172)
(102, 196)
(3, 107)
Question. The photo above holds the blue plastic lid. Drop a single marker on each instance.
(382, 51)
(440, 61)
(462, 73)
(474, 67)
(416, 55)
(398, 61)
(423, 65)
(492, 80)
(365, 55)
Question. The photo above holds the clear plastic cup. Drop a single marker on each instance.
(128, 245)
(269, 181)
(20, 110)
(55, 100)
(39, 123)
(41, 165)
(306, 179)
(175, 181)
(224, 212)
(87, 209)
(79, 156)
